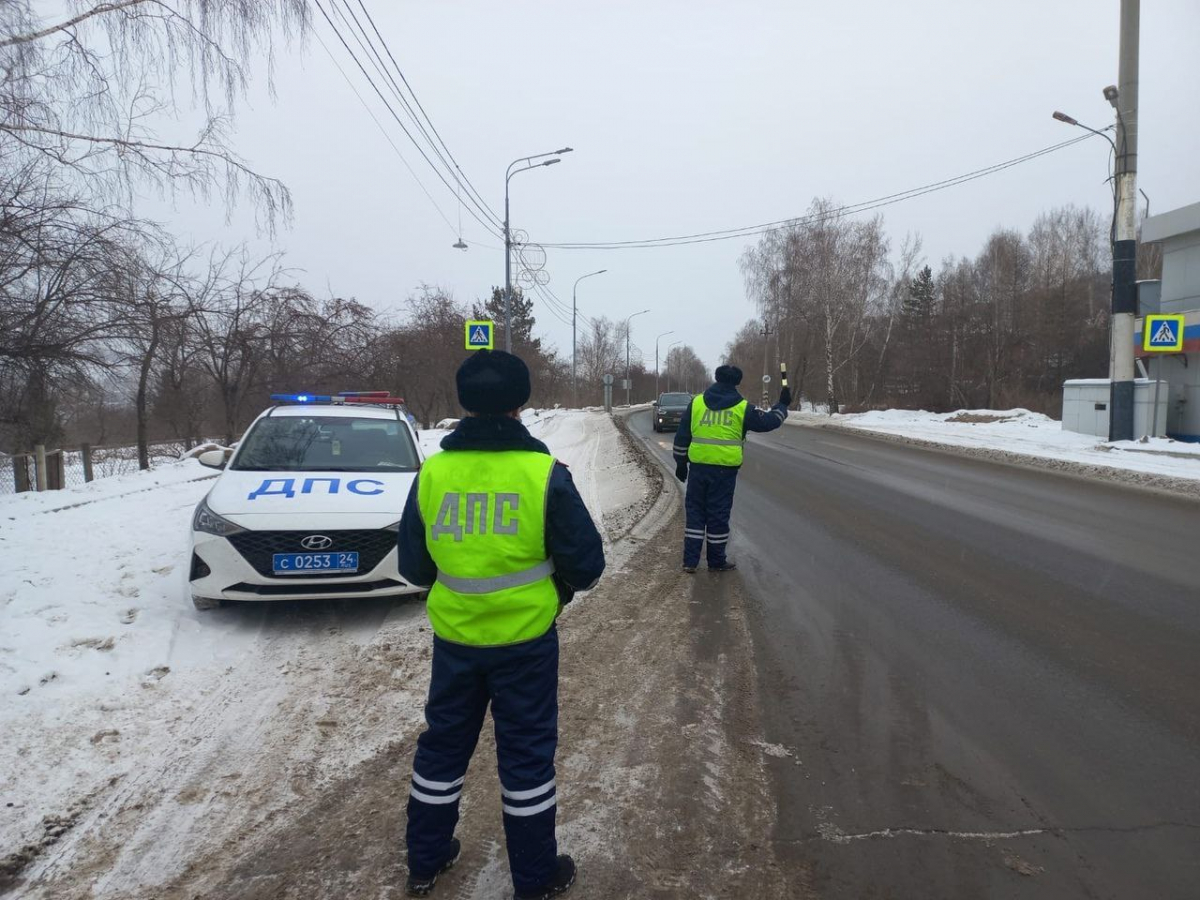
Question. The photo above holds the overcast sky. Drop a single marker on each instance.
(694, 116)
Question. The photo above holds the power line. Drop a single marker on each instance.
(550, 296)
(562, 317)
(487, 226)
(383, 131)
(376, 61)
(851, 209)
(368, 47)
(417, 100)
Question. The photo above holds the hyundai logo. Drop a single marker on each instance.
(316, 542)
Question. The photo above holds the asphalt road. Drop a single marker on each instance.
(988, 677)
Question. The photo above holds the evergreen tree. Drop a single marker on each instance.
(523, 320)
(918, 305)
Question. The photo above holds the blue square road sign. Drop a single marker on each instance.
(1163, 334)
(480, 335)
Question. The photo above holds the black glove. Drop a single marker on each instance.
(681, 470)
(785, 396)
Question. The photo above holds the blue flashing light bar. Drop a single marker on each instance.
(302, 398)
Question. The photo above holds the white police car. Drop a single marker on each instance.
(309, 504)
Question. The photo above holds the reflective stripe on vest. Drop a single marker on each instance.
(717, 434)
(497, 582)
(484, 515)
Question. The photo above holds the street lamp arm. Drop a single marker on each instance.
(588, 275)
(509, 175)
(529, 159)
(1063, 117)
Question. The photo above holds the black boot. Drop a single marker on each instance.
(728, 566)
(562, 881)
(420, 887)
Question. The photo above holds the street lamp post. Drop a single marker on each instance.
(627, 330)
(656, 340)
(508, 174)
(574, 381)
(1124, 264)
(669, 346)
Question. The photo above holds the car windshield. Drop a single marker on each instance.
(674, 399)
(326, 444)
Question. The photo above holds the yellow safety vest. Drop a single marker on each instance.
(485, 526)
(718, 435)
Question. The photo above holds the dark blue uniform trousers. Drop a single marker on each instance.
(708, 503)
(520, 681)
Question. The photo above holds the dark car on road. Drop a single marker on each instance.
(669, 411)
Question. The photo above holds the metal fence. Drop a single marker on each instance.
(55, 469)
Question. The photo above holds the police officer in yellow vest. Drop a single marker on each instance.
(497, 530)
(710, 442)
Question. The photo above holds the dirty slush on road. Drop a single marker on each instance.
(663, 784)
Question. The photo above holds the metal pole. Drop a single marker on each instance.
(1124, 289)
(574, 312)
(656, 340)
(574, 379)
(507, 274)
(766, 333)
(1154, 414)
(628, 328)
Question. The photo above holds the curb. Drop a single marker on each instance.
(670, 496)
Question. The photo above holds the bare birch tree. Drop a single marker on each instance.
(86, 92)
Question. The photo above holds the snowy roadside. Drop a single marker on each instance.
(1024, 437)
(135, 731)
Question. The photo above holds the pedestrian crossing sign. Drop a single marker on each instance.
(1163, 334)
(480, 335)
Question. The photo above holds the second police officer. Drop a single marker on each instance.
(708, 451)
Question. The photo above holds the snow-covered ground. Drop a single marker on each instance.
(118, 695)
(1024, 433)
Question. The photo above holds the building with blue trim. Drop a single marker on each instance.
(1178, 233)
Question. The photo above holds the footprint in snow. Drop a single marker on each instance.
(101, 644)
(130, 616)
(158, 673)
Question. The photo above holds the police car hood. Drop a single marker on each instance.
(721, 396)
(282, 500)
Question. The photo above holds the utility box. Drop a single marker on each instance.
(1149, 297)
(1086, 407)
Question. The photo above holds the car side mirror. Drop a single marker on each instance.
(214, 459)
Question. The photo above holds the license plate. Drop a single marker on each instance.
(304, 563)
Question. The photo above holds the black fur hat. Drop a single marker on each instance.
(729, 375)
(492, 382)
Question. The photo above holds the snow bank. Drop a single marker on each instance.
(1023, 433)
(93, 618)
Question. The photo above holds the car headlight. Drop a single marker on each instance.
(209, 522)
